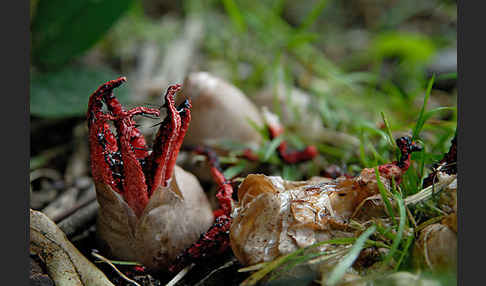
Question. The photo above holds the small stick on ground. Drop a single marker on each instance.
(63, 203)
(180, 275)
(226, 265)
(79, 218)
(106, 260)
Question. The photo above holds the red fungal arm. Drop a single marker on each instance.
(216, 239)
(161, 162)
(185, 115)
(225, 191)
(102, 141)
(134, 186)
(115, 160)
(275, 129)
(95, 103)
(291, 157)
(397, 168)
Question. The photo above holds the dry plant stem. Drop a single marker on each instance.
(180, 275)
(78, 220)
(426, 193)
(107, 261)
(86, 198)
(181, 53)
(226, 265)
(45, 173)
(62, 203)
(178, 57)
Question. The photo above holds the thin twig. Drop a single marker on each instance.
(72, 210)
(426, 193)
(180, 275)
(226, 265)
(106, 260)
(71, 224)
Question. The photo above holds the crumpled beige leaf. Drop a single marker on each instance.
(65, 264)
(275, 217)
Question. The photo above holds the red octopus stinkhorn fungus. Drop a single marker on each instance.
(150, 209)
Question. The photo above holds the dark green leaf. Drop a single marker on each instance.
(62, 30)
(65, 93)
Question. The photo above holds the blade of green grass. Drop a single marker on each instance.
(270, 266)
(421, 119)
(432, 112)
(445, 76)
(362, 150)
(340, 269)
(421, 163)
(234, 170)
(235, 15)
(384, 195)
(291, 173)
(260, 129)
(405, 252)
(119, 262)
(388, 131)
(399, 234)
(313, 15)
(272, 147)
(334, 151)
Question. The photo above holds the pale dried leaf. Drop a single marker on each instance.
(64, 263)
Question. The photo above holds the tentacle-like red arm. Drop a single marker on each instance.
(165, 143)
(225, 191)
(185, 114)
(103, 146)
(216, 239)
(116, 160)
(276, 129)
(288, 156)
(396, 169)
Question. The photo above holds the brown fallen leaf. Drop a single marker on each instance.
(65, 264)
